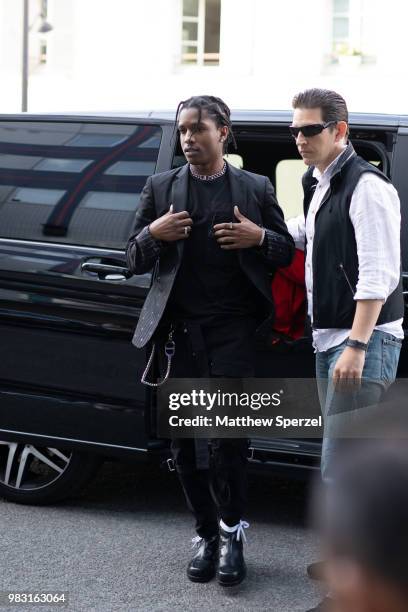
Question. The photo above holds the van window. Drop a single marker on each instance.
(73, 183)
(289, 189)
(288, 183)
(234, 160)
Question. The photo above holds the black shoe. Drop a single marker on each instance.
(316, 571)
(326, 605)
(231, 567)
(202, 566)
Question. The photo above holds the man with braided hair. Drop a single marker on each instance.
(214, 233)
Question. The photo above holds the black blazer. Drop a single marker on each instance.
(255, 197)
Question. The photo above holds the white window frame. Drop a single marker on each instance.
(199, 43)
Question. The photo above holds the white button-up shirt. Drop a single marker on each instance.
(376, 218)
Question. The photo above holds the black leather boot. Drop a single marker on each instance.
(202, 566)
(231, 566)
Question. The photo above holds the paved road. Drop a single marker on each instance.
(123, 544)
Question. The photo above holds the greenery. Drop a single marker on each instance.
(346, 49)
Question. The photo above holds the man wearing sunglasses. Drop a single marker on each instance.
(350, 230)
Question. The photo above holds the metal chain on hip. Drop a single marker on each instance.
(169, 349)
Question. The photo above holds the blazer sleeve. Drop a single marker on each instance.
(142, 250)
(278, 247)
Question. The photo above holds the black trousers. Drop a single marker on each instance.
(213, 473)
(219, 491)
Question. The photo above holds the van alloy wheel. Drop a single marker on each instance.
(28, 467)
(39, 475)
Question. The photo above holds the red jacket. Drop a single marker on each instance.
(289, 295)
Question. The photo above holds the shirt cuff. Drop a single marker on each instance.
(275, 247)
(370, 295)
(146, 240)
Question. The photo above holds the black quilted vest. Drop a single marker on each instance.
(335, 260)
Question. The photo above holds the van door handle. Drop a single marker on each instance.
(104, 271)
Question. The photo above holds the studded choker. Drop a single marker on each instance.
(209, 177)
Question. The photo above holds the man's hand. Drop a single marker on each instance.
(171, 226)
(241, 235)
(349, 369)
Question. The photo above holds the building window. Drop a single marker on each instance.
(38, 29)
(341, 25)
(354, 31)
(201, 32)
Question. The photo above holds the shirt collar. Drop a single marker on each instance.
(327, 174)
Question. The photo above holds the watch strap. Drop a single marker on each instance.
(357, 344)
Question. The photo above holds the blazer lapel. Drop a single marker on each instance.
(239, 191)
(179, 198)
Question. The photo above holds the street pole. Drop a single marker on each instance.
(24, 89)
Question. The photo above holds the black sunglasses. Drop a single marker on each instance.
(312, 129)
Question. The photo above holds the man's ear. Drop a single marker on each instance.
(342, 129)
(224, 133)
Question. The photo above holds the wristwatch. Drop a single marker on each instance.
(357, 344)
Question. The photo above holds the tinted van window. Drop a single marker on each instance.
(73, 183)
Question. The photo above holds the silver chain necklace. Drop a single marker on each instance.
(209, 177)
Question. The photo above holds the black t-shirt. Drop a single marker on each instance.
(210, 281)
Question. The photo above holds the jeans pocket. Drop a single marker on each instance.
(392, 342)
(390, 352)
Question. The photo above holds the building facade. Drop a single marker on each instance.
(138, 54)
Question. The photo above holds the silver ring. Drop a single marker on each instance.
(230, 225)
(186, 230)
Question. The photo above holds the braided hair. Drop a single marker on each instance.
(216, 109)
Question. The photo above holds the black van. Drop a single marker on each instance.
(70, 391)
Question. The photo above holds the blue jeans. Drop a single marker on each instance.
(380, 369)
